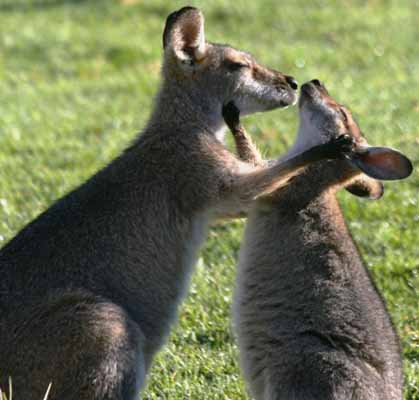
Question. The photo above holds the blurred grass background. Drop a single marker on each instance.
(77, 79)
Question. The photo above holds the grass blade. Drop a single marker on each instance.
(48, 390)
(10, 388)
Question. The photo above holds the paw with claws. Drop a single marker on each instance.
(345, 144)
(231, 115)
(342, 146)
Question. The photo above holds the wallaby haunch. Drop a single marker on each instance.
(89, 289)
(310, 322)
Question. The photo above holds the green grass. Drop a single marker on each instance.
(76, 83)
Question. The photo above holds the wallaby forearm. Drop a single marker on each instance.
(246, 149)
(247, 187)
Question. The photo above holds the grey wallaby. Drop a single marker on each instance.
(90, 288)
(310, 322)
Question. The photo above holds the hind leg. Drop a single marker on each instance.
(320, 376)
(303, 389)
(86, 347)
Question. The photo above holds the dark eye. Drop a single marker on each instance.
(235, 66)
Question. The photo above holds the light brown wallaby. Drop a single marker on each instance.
(90, 288)
(309, 320)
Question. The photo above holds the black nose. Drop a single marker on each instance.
(316, 82)
(292, 82)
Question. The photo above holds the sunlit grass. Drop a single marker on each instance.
(77, 80)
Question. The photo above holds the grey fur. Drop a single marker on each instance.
(90, 288)
(309, 319)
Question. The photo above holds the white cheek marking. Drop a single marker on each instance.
(251, 95)
(308, 136)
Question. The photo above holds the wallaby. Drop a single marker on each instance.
(89, 289)
(309, 320)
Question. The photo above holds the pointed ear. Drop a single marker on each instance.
(383, 163)
(184, 35)
(364, 186)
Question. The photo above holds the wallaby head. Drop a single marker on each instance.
(214, 74)
(321, 119)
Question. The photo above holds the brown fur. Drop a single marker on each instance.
(310, 322)
(90, 288)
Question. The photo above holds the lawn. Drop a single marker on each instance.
(77, 79)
